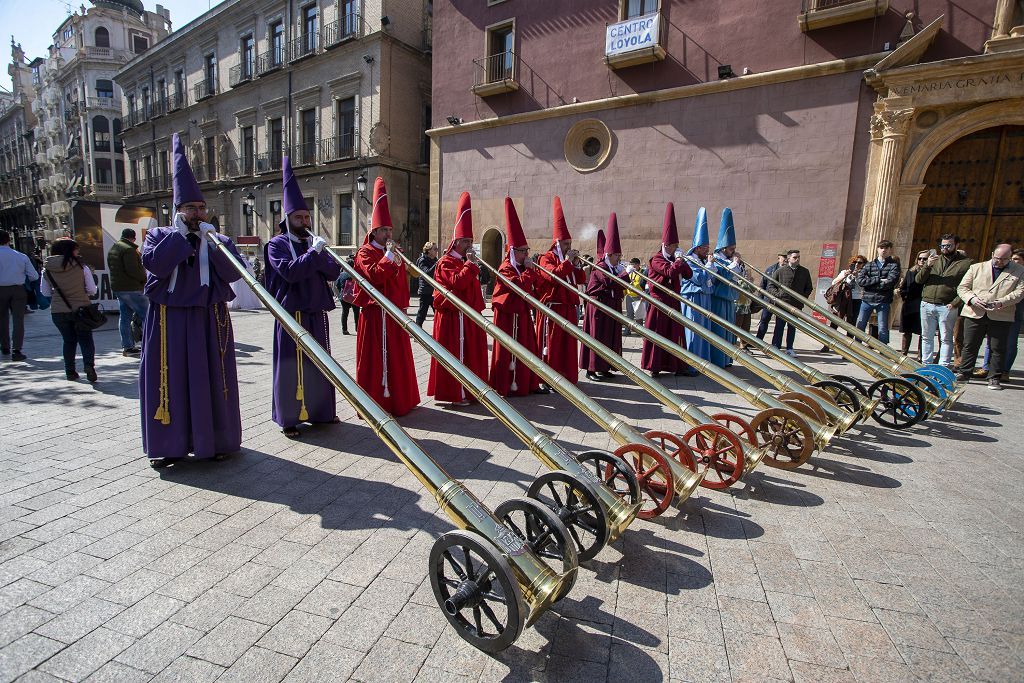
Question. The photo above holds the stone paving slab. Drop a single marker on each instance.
(891, 556)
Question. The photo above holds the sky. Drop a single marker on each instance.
(35, 32)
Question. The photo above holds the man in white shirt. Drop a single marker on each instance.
(15, 269)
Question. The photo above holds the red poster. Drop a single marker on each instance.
(826, 271)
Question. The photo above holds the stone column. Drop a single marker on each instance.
(892, 125)
(1003, 19)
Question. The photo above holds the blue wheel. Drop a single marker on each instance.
(937, 377)
(945, 372)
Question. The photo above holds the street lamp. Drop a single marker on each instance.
(361, 187)
(250, 204)
(165, 211)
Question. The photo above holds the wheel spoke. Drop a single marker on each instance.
(470, 569)
(554, 493)
(486, 609)
(456, 567)
(476, 618)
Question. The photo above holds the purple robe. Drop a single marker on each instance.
(600, 325)
(188, 358)
(300, 286)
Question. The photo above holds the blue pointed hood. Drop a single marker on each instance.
(700, 230)
(726, 231)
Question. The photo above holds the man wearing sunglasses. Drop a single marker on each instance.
(939, 277)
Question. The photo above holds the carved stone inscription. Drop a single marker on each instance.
(963, 88)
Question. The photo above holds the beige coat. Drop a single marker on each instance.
(977, 283)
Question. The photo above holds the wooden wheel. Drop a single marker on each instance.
(812, 408)
(738, 426)
(654, 475)
(786, 436)
(720, 451)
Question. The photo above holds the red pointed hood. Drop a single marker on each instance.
(381, 217)
(600, 244)
(463, 221)
(612, 245)
(669, 233)
(513, 228)
(559, 230)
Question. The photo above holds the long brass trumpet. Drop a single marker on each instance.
(729, 465)
(490, 581)
(595, 514)
(816, 434)
(903, 400)
(821, 406)
(659, 482)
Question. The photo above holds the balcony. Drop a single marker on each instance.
(158, 108)
(108, 189)
(271, 60)
(177, 101)
(204, 89)
(634, 41)
(815, 14)
(496, 74)
(338, 147)
(305, 153)
(240, 74)
(108, 103)
(304, 46)
(268, 162)
(348, 27)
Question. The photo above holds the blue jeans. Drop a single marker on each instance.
(130, 302)
(883, 319)
(937, 318)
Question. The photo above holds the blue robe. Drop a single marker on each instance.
(723, 304)
(187, 377)
(697, 288)
(300, 286)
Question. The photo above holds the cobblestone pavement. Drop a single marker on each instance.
(892, 556)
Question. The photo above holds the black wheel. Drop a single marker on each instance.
(900, 405)
(476, 590)
(844, 397)
(925, 383)
(545, 534)
(578, 508)
(852, 383)
(614, 472)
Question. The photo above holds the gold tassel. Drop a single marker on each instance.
(300, 394)
(163, 411)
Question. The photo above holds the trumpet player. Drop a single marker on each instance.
(458, 272)
(384, 367)
(723, 297)
(667, 267)
(297, 274)
(609, 290)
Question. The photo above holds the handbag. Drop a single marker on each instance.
(838, 295)
(348, 291)
(88, 317)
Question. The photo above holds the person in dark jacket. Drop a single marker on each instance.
(426, 262)
(127, 278)
(797, 278)
(878, 279)
(766, 312)
(910, 293)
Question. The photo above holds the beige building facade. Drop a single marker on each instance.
(340, 87)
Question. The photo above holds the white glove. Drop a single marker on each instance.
(205, 228)
(318, 243)
(630, 269)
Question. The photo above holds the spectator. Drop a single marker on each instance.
(36, 300)
(910, 313)
(744, 300)
(1014, 336)
(127, 278)
(346, 285)
(766, 312)
(797, 278)
(939, 278)
(990, 292)
(15, 270)
(426, 262)
(636, 306)
(70, 283)
(878, 279)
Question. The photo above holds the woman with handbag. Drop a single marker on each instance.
(910, 314)
(844, 294)
(347, 295)
(69, 283)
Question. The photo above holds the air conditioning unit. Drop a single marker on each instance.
(44, 184)
(61, 208)
(45, 210)
(41, 158)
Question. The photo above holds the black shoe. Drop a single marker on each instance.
(344, 331)
(594, 377)
(159, 463)
(221, 457)
(72, 375)
(134, 351)
(5, 352)
(824, 349)
(90, 374)
(18, 355)
(963, 377)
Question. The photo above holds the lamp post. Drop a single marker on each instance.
(361, 187)
(165, 211)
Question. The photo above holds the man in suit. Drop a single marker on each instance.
(990, 291)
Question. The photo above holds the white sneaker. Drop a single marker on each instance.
(791, 353)
(994, 385)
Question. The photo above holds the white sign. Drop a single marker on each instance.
(632, 34)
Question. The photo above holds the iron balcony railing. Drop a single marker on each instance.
(496, 68)
(345, 28)
(177, 100)
(338, 147)
(247, 163)
(305, 153)
(269, 61)
(304, 46)
(269, 161)
(811, 5)
(158, 108)
(204, 89)
(241, 73)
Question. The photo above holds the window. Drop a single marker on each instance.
(147, 165)
(349, 18)
(275, 141)
(165, 170)
(105, 88)
(276, 43)
(425, 139)
(246, 56)
(248, 150)
(101, 134)
(131, 106)
(310, 27)
(118, 143)
(346, 227)
(102, 37)
(135, 177)
(161, 91)
(499, 64)
(346, 117)
(104, 174)
(211, 158)
(139, 44)
(145, 102)
(119, 171)
(307, 136)
(210, 74)
(638, 8)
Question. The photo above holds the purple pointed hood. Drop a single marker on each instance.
(186, 189)
(293, 200)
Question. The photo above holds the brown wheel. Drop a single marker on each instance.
(720, 451)
(674, 446)
(654, 476)
(812, 408)
(786, 436)
(737, 425)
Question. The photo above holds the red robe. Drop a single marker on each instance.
(598, 324)
(560, 348)
(667, 273)
(512, 315)
(462, 337)
(383, 349)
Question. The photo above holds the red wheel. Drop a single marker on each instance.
(675, 447)
(738, 426)
(720, 451)
(654, 476)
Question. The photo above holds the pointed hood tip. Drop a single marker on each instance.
(381, 214)
(726, 231)
(559, 228)
(602, 243)
(463, 221)
(185, 187)
(513, 227)
(293, 199)
(700, 230)
(612, 243)
(669, 231)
